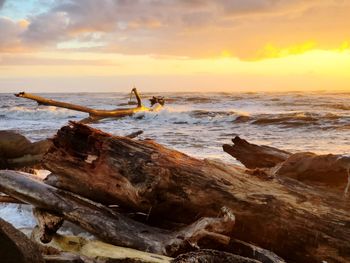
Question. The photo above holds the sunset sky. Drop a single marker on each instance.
(183, 45)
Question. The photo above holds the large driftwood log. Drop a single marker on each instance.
(255, 156)
(94, 114)
(298, 222)
(16, 151)
(329, 170)
(109, 225)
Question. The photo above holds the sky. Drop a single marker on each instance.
(174, 45)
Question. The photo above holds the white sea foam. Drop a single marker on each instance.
(19, 216)
(38, 113)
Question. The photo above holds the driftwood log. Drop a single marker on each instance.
(255, 156)
(109, 225)
(96, 250)
(16, 151)
(298, 222)
(94, 114)
(327, 170)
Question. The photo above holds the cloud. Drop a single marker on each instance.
(46, 28)
(34, 60)
(9, 32)
(194, 28)
(2, 3)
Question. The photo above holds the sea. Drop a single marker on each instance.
(197, 124)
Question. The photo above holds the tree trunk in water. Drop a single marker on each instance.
(94, 114)
(296, 221)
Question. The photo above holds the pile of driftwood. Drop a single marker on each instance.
(142, 196)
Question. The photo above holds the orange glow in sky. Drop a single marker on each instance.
(258, 45)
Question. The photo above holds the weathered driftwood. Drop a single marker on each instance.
(298, 222)
(69, 258)
(16, 151)
(327, 170)
(9, 199)
(207, 256)
(15, 247)
(94, 114)
(247, 250)
(309, 167)
(94, 249)
(111, 226)
(255, 156)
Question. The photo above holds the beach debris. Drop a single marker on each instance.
(174, 188)
(110, 226)
(208, 255)
(17, 152)
(99, 251)
(96, 115)
(255, 156)
(15, 247)
(168, 203)
(326, 170)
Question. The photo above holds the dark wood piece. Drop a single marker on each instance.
(15, 247)
(255, 156)
(211, 256)
(16, 151)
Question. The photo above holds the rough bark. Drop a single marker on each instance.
(109, 225)
(312, 168)
(16, 151)
(210, 256)
(247, 250)
(15, 247)
(298, 222)
(255, 156)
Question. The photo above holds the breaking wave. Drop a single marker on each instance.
(45, 112)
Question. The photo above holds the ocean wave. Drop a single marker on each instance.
(296, 119)
(46, 112)
(188, 117)
(338, 106)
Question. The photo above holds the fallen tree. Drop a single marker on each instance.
(326, 170)
(299, 222)
(96, 114)
(16, 151)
